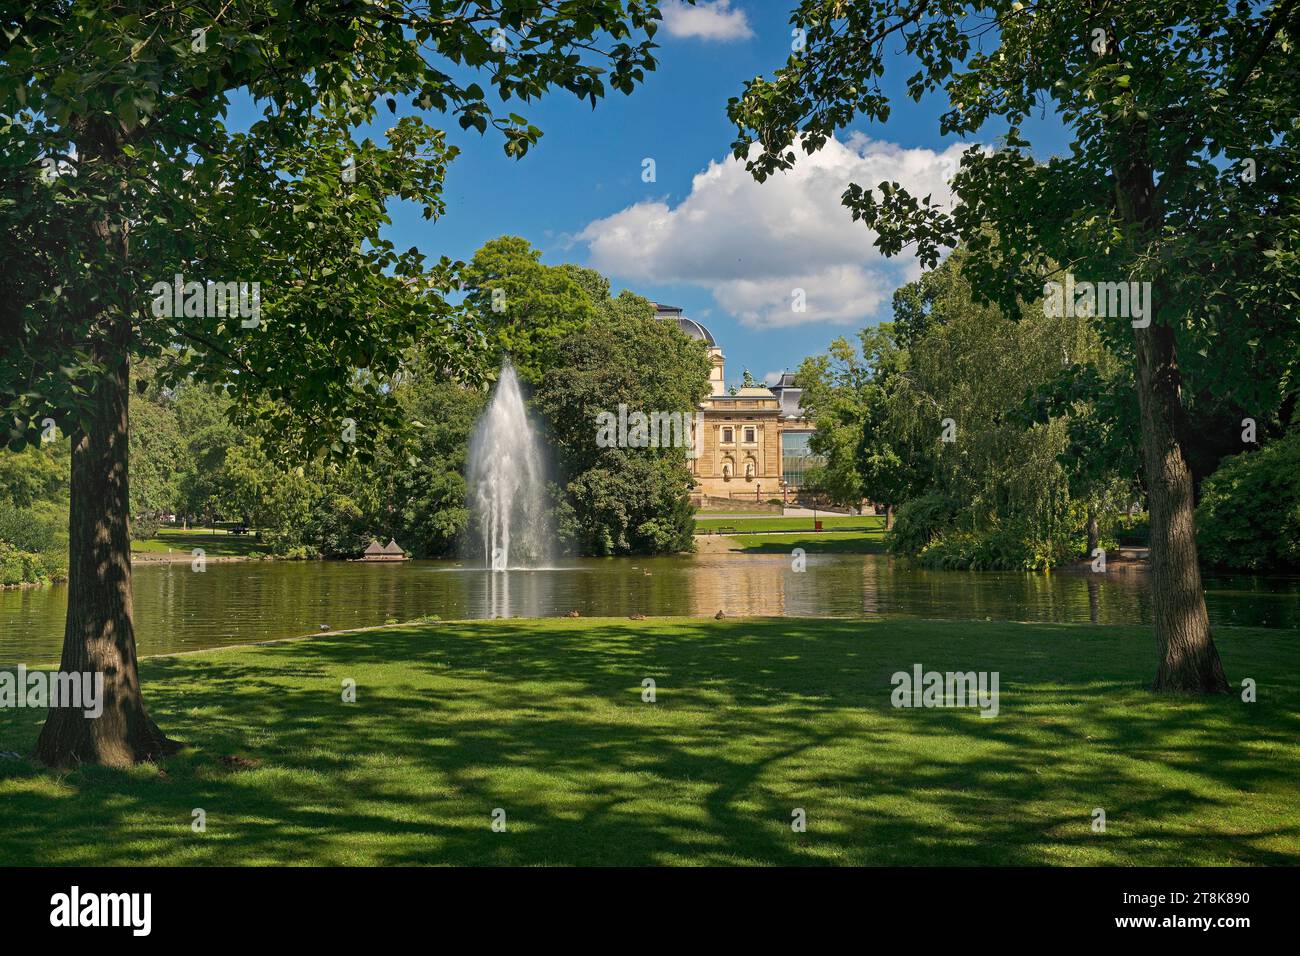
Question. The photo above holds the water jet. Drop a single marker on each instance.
(507, 481)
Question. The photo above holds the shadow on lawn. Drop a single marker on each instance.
(753, 719)
(220, 544)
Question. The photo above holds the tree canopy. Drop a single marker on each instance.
(134, 218)
(1179, 172)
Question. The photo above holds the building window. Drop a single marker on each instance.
(797, 458)
(728, 436)
(749, 436)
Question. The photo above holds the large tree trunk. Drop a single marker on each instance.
(1188, 660)
(1094, 530)
(99, 633)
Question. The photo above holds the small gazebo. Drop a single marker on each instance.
(384, 552)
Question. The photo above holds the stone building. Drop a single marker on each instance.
(756, 440)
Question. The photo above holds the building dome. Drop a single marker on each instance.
(691, 328)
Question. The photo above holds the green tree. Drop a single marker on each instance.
(118, 171)
(35, 474)
(894, 462)
(1102, 458)
(832, 399)
(34, 513)
(593, 283)
(421, 480)
(968, 367)
(203, 415)
(525, 306)
(621, 500)
(1180, 172)
(156, 454)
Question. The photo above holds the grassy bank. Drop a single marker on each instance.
(753, 719)
(815, 542)
(864, 522)
(218, 544)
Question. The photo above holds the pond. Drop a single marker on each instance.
(178, 609)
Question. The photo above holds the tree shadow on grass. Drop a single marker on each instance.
(752, 720)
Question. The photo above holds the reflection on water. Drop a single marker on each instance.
(178, 609)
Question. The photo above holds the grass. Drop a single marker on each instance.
(753, 718)
(222, 544)
(865, 522)
(837, 542)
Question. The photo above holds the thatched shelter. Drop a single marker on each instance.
(384, 552)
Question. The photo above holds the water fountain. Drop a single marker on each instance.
(506, 478)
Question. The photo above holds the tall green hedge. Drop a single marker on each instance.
(1249, 516)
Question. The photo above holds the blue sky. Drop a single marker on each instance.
(703, 235)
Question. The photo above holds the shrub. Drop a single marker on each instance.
(1249, 516)
(33, 543)
(919, 522)
(20, 567)
(295, 552)
(1134, 530)
(993, 549)
(54, 564)
(144, 528)
(41, 528)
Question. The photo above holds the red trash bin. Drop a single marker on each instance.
(818, 525)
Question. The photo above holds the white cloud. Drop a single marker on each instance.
(754, 244)
(706, 20)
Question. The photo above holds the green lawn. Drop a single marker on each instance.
(824, 542)
(222, 544)
(790, 524)
(754, 718)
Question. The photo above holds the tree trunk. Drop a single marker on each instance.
(1094, 532)
(99, 636)
(99, 633)
(1188, 660)
(889, 516)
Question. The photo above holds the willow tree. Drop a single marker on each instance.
(134, 221)
(1180, 170)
